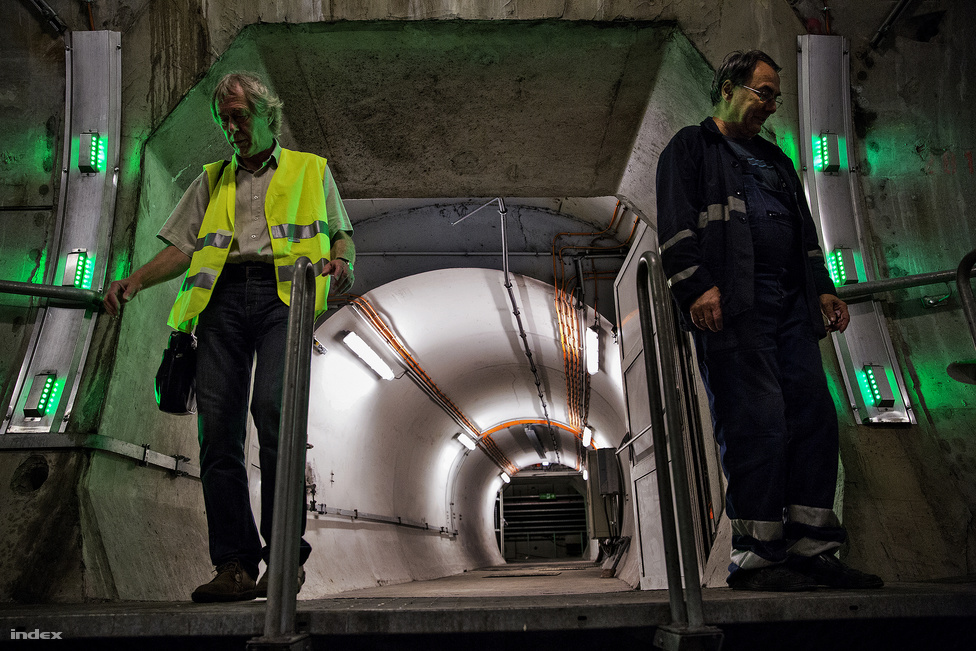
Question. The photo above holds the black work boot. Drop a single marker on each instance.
(775, 578)
(232, 583)
(829, 572)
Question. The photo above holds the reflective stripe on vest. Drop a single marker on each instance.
(295, 211)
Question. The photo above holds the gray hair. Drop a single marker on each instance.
(260, 99)
(738, 67)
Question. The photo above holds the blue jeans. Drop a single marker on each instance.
(244, 317)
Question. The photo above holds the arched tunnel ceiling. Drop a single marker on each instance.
(458, 325)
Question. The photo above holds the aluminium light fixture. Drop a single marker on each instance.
(91, 153)
(876, 386)
(842, 266)
(44, 395)
(506, 478)
(826, 153)
(79, 267)
(587, 435)
(368, 355)
(466, 441)
(592, 341)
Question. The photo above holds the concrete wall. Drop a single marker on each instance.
(909, 498)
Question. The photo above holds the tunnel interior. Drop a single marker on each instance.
(422, 123)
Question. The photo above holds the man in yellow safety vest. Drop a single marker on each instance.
(236, 234)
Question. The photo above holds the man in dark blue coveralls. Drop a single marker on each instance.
(740, 250)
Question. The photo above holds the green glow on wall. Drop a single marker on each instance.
(790, 145)
(37, 276)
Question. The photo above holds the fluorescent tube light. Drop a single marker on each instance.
(368, 355)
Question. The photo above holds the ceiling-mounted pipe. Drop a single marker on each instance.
(503, 214)
(888, 23)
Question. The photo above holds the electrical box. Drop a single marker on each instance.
(604, 491)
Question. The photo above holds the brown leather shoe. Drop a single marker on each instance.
(261, 590)
(232, 583)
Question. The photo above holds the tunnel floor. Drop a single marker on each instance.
(527, 606)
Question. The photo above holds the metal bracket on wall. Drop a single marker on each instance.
(872, 377)
(61, 337)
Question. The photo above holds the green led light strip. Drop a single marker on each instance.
(84, 270)
(835, 264)
(821, 157)
(49, 395)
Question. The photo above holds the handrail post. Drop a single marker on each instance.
(963, 273)
(289, 497)
(665, 407)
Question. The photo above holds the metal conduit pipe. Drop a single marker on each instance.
(889, 21)
(665, 407)
(289, 507)
(177, 464)
(356, 514)
(503, 213)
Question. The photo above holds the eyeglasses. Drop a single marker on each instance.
(765, 95)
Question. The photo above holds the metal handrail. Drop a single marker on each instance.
(963, 273)
(67, 296)
(289, 510)
(662, 391)
(871, 287)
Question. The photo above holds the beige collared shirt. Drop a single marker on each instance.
(252, 239)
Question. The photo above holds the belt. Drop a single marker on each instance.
(248, 271)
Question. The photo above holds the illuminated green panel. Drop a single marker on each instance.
(83, 274)
(876, 387)
(838, 272)
(44, 395)
(78, 269)
(91, 153)
(842, 266)
(826, 153)
(819, 151)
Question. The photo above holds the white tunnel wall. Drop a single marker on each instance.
(385, 448)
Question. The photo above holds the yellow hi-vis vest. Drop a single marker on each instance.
(296, 215)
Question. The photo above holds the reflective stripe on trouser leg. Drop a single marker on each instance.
(756, 544)
(813, 531)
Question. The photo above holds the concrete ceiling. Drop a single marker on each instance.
(423, 121)
(446, 108)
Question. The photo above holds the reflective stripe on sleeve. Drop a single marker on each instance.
(297, 233)
(204, 279)
(681, 275)
(218, 240)
(681, 235)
